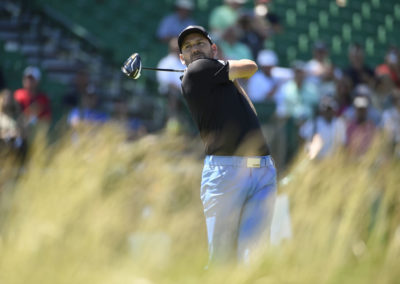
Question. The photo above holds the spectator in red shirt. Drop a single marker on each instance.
(391, 66)
(34, 103)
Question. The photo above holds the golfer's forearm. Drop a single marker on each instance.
(243, 68)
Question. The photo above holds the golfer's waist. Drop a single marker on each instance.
(249, 162)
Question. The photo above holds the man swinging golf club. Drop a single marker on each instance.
(238, 184)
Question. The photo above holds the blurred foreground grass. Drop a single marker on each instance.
(98, 210)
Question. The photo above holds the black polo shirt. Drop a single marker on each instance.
(228, 126)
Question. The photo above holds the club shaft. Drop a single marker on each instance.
(162, 69)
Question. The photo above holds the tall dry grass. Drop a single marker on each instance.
(93, 209)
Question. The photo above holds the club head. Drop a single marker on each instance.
(132, 66)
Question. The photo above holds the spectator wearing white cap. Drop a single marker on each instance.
(34, 103)
(361, 130)
(363, 91)
(263, 86)
(172, 24)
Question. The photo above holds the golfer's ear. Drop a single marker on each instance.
(214, 49)
(182, 59)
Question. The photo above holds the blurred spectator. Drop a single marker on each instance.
(298, 98)
(89, 111)
(79, 89)
(258, 25)
(383, 91)
(275, 26)
(361, 130)
(343, 94)
(134, 127)
(391, 124)
(320, 65)
(224, 16)
(172, 24)
(170, 82)
(230, 45)
(328, 83)
(326, 133)
(262, 10)
(254, 32)
(262, 86)
(373, 113)
(34, 103)
(11, 125)
(358, 71)
(391, 66)
(2, 81)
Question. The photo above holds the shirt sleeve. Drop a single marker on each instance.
(209, 71)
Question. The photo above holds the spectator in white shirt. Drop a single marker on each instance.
(325, 134)
(263, 86)
(297, 98)
(172, 24)
(169, 82)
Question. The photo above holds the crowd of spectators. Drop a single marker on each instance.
(328, 107)
(25, 110)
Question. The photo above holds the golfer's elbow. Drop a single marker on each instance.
(251, 67)
(244, 68)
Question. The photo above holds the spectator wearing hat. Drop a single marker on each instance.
(224, 16)
(325, 134)
(34, 103)
(172, 24)
(391, 67)
(361, 130)
(263, 86)
(373, 113)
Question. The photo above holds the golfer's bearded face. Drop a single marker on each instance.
(196, 46)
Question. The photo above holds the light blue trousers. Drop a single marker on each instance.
(238, 195)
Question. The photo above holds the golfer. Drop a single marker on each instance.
(238, 184)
